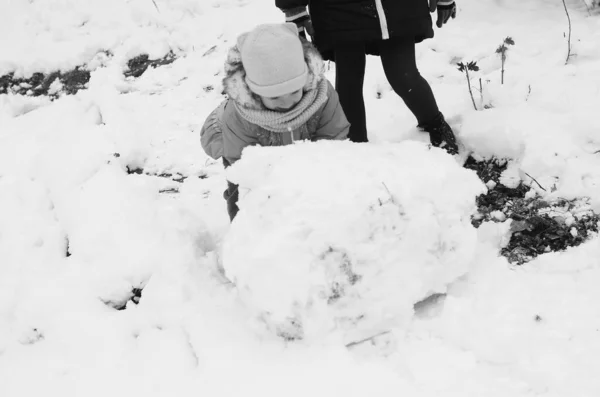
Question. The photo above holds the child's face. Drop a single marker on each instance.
(282, 103)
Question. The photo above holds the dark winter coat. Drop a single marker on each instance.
(336, 21)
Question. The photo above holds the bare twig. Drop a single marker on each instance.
(462, 67)
(569, 38)
(528, 93)
(156, 6)
(508, 41)
(209, 51)
(389, 192)
(352, 344)
(502, 73)
(532, 178)
(386, 188)
(470, 90)
(480, 93)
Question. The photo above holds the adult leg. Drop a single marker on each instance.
(400, 67)
(350, 63)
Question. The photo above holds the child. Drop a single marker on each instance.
(277, 94)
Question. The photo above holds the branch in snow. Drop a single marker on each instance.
(532, 178)
(569, 38)
(470, 66)
(352, 344)
(502, 49)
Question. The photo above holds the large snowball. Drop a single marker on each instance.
(336, 236)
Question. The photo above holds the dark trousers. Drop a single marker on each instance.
(231, 195)
(400, 67)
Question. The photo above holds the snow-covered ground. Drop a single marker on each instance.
(78, 232)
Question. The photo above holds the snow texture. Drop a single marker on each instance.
(353, 238)
(87, 222)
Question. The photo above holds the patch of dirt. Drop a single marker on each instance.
(176, 177)
(487, 169)
(138, 65)
(33, 336)
(67, 247)
(52, 84)
(134, 296)
(57, 83)
(498, 198)
(538, 226)
(170, 190)
(345, 279)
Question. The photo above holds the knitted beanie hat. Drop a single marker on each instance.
(273, 58)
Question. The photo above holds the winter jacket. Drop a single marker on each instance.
(226, 133)
(336, 21)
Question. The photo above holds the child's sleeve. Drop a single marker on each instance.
(211, 134)
(225, 135)
(237, 135)
(333, 123)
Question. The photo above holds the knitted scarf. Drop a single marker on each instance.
(275, 121)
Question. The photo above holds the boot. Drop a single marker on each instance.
(440, 134)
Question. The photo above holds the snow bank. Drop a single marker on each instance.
(61, 34)
(501, 331)
(561, 153)
(334, 235)
(537, 324)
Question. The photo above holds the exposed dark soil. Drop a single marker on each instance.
(138, 65)
(539, 232)
(134, 296)
(46, 84)
(175, 177)
(59, 83)
(538, 226)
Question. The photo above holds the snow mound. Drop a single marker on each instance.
(335, 236)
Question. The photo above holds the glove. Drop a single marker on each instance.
(300, 17)
(445, 10)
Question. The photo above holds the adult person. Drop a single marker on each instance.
(345, 31)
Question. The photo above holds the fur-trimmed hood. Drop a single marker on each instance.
(234, 82)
